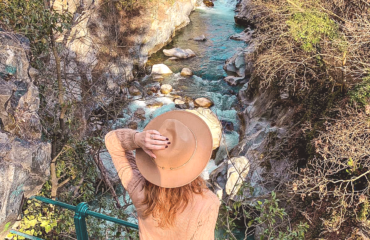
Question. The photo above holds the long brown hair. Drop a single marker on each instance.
(165, 203)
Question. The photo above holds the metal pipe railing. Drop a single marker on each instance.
(81, 211)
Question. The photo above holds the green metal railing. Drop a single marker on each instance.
(81, 212)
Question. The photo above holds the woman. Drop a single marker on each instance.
(172, 200)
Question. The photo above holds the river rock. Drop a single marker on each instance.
(186, 72)
(233, 81)
(203, 102)
(157, 78)
(166, 88)
(160, 69)
(179, 53)
(237, 171)
(245, 36)
(154, 104)
(201, 38)
(140, 113)
(213, 123)
(134, 91)
(179, 101)
(208, 3)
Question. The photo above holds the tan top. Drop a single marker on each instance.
(196, 222)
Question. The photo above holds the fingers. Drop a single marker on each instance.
(156, 135)
(155, 142)
(156, 147)
(150, 153)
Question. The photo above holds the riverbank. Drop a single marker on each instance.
(302, 85)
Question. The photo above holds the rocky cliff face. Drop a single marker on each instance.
(113, 45)
(24, 158)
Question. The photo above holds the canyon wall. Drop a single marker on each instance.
(24, 157)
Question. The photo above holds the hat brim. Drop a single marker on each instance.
(178, 177)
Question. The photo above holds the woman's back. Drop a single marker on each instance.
(196, 221)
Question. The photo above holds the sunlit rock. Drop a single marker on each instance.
(179, 101)
(186, 72)
(160, 69)
(154, 104)
(166, 88)
(237, 171)
(208, 3)
(203, 102)
(213, 123)
(179, 53)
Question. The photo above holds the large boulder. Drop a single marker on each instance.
(160, 69)
(24, 159)
(179, 53)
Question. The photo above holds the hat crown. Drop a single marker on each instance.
(182, 147)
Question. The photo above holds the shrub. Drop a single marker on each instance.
(360, 94)
(339, 174)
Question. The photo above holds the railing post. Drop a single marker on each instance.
(80, 222)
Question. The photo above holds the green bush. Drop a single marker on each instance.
(360, 94)
(34, 20)
(310, 26)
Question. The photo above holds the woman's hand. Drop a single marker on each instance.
(151, 140)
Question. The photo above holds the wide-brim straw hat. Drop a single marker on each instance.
(187, 155)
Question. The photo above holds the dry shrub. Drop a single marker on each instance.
(339, 175)
(301, 43)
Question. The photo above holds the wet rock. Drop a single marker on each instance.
(154, 104)
(237, 171)
(227, 126)
(179, 53)
(190, 104)
(134, 91)
(203, 102)
(233, 81)
(213, 123)
(200, 38)
(155, 87)
(236, 63)
(181, 106)
(208, 3)
(166, 88)
(186, 72)
(160, 69)
(245, 36)
(140, 113)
